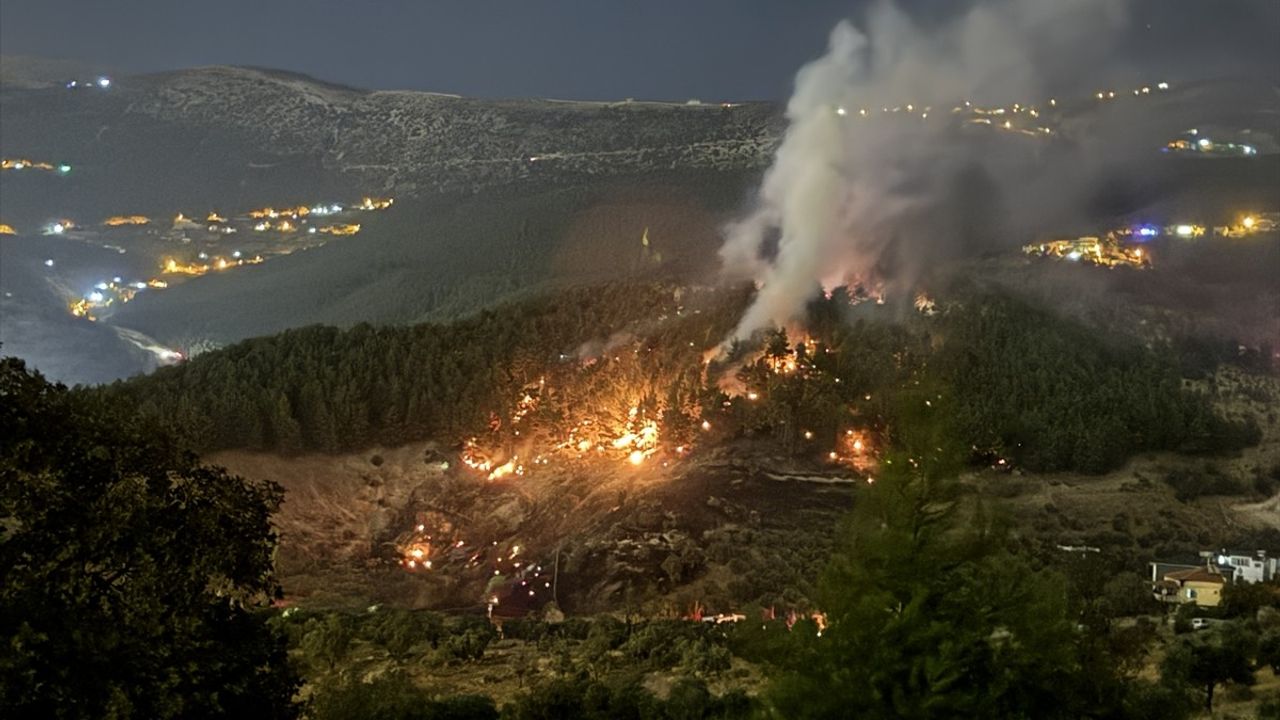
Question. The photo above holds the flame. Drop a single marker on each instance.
(510, 467)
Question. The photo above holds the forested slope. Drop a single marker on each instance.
(1007, 379)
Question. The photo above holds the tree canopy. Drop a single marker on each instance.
(129, 572)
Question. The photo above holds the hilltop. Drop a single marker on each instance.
(222, 135)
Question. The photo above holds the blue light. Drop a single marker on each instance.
(1147, 231)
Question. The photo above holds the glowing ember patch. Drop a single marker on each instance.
(508, 468)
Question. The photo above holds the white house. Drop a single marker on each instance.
(1246, 567)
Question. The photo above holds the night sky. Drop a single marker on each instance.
(580, 49)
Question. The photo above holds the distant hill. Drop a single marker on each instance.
(492, 197)
(31, 72)
(245, 137)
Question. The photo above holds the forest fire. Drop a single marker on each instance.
(640, 438)
(633, 440)
(853, 449)
(473, 458)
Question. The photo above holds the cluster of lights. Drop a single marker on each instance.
(26, 164)
(102, 82)
(104, 294)
(1194, 142)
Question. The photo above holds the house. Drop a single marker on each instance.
(1182, 584)
(1246, 567)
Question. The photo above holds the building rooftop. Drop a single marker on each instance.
(1198, 574)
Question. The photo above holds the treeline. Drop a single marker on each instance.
(1015, 381)
(1055, 396)
(325, 389)
(1009, 380)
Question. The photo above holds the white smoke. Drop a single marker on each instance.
(875, 198)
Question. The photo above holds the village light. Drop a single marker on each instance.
(1248, 222)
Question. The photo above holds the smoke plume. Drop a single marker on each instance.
(859, 194)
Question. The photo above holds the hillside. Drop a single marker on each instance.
(493, 199)
(241, 136)
(435, 260)
(589, 423)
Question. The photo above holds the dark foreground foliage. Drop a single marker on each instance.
(129, 572)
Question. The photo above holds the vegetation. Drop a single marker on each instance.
(129, 572)
(929, 613)
(928, 608)
(326, 389)
(1021, 384)
(1205, 660)
(395, 697)
(1057, 397)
